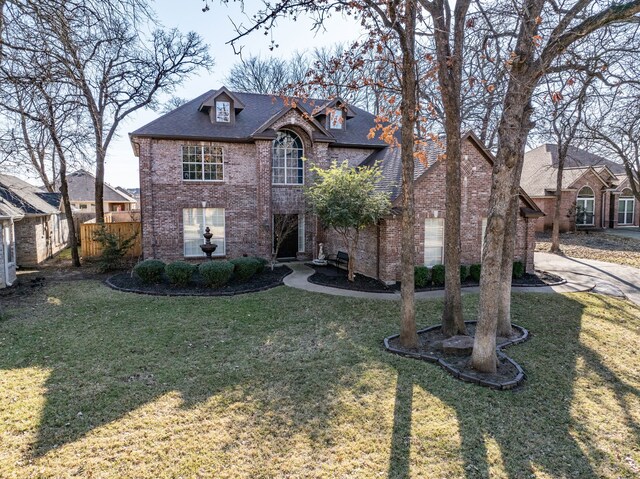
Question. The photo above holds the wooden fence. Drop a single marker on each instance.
(91, 248)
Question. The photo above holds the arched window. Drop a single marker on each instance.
(585, 207)
(287, 167)
(626, 207)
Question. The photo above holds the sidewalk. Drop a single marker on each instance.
(298, 279)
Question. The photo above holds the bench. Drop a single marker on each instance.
(340, 258)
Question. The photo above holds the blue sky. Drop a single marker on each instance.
(216, 28)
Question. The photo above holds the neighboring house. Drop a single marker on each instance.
(8, 216)
(132, 193)
(82, 193)
(233, 161)
(595, 191)
(43, 230)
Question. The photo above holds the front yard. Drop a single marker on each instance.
(288, 384)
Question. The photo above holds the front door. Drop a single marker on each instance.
(289, 244)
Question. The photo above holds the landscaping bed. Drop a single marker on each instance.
(431, 348)
(197, 287)
(337, 278)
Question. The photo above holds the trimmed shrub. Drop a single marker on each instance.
(262, 264)
(464, 273)
(179, 272)
(244, 268)
(149, 270)
(518, 269)
(422, 276)
(437, 275)
(474, 272)
(216, 273)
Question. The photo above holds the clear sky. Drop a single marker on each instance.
(216, 27)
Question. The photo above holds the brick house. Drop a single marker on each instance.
(232, 161)
(595, 191)
(82, 194)
(42, 231)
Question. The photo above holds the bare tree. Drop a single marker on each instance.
(99, 48)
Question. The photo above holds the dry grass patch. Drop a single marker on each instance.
(595, 245)
(288, 384)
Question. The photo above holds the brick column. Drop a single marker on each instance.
(263, 213)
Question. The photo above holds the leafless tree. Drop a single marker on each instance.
(99, 48)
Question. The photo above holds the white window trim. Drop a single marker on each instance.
(202, 163)
(628, 201)
(216, 253)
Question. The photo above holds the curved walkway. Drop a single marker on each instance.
(298, 279)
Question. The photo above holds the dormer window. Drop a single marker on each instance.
(336, 120)
(223, 111)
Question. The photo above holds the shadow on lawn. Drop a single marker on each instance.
(127, 351)
(533, 427)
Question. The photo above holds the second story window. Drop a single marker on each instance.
(336, 120)
(202, 163)
(287, 168)
(223, 112)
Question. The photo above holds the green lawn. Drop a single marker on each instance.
(287, 384)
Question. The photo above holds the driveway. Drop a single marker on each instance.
(587, 274)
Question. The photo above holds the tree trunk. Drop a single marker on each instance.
(452, 319)
(351, 265)
(504, 310)
(408, 333)
(73, 238)
(555, 233)
(99, 186)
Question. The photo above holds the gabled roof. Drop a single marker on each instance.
(8, 211)
(81, 185)
(334, 104)
(390, 163)
(187, 122)
(211, 100)
(265, 130)
(539, 172)
(26, 198)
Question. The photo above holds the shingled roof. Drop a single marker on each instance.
(540, 168)
(81, 185)
(26, 198)
(190, 123)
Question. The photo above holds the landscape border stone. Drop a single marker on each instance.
(455, 372)
(211, 293)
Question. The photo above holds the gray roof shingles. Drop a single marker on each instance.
(81, 185)
(188, 122)
(25, 197)
(541, 166)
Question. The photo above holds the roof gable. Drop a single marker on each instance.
(81, 186)
(188, 123)
(26, 198)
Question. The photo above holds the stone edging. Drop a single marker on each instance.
(200, 295)
(519, 379)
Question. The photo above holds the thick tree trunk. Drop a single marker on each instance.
(504, 311)
(452, 319)
(408, 333)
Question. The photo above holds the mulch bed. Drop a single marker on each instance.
(508, 375)
(266, 280)
(337, 278)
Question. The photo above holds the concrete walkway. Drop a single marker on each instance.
(298, 279)
(590, 274)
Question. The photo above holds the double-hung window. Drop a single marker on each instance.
(626, 207)
(202, 163)
(194, 222)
